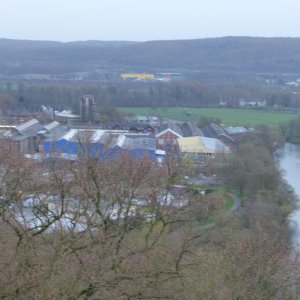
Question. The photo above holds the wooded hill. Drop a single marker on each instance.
(228, 54)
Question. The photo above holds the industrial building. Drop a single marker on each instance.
(138, 76)
(23, 137)
(103, 144)
(87, 109)
(201, 148)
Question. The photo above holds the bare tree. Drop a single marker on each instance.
(115, 229)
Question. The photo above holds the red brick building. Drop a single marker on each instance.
(166, 139)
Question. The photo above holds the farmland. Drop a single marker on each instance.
(228, 116)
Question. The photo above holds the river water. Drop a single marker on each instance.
(289, 162)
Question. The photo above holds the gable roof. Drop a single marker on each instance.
(25, 126)
(49, 127)
(170, 126)
(190, 129)
(216, 131)
(25, 130)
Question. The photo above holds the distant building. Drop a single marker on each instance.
(48, 111)
(138, 76)
(154, 120)
(87, 109)
(229, 103)
(168, 76)
(141, 119)
(258, 103)
(148, 119)
(66, 117)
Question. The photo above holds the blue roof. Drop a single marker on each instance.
(93, 149)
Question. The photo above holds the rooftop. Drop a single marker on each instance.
(24, 130)
(66, 114)
(199, 144)
(216, 131)
(170, 126)
(49, 127)
(237, 130)
(190, 129)
(27, 125)
(111, 138)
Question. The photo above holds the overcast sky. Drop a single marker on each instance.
(142, 20)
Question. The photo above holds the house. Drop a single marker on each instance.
(142, 119)
(229, 103)
(166, 138)
(153, 120)
(145, 119)
(201, 148)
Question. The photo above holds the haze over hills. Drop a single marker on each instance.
(228, 54)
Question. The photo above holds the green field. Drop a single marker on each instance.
(228, 116)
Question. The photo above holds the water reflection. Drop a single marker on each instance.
(289, 162)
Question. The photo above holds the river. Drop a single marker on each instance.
(289, 162)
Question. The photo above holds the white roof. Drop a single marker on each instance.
(213, 144)
(95, 135)
(51, 125)
(160, 152)
(166, 130)
(70, 134)
(66, 114)
(121, 140)
(233, 130)
(27, 125)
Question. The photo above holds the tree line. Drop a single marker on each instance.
(144, 94)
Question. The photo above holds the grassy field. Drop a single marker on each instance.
(228, 116)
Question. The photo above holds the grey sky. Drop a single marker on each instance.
(70, 20)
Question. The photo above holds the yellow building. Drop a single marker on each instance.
(199, 146)
(138, 76)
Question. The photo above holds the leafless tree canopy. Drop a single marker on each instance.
(91, 229)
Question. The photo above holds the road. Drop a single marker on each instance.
(236, 205)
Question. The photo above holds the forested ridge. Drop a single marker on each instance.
(228, 54)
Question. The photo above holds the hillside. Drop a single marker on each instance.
(228, 54)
